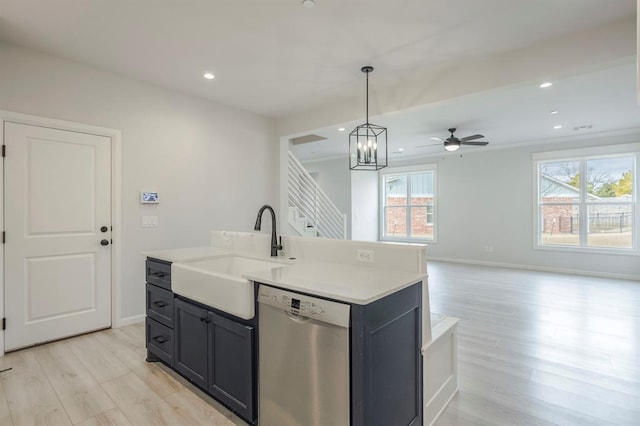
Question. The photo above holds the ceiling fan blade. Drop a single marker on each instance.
(477, 143)
(437, 139)
(427, 146)
(472, 137)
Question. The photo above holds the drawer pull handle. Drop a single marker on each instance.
(160, 304)
(160, 339)
(205, 319)
(158, 275)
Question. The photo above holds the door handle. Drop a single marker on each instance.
(104, 229)
(104, 242)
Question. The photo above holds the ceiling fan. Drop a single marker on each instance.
(452, 143)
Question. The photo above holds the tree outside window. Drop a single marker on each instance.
(597, 211)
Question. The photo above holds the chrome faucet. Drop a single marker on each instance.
(275, 245)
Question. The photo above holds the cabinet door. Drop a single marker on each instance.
(230, 364)
(191, 342)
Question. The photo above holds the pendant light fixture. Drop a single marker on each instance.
(368, 142)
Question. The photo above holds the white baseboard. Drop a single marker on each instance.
(129, 321)
(538, 268)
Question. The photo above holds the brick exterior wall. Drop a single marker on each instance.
(396, 217)
(559, 218)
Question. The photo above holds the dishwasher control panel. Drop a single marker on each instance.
(307, 306)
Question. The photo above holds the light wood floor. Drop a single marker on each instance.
(534, 348)
(541, 348)
(100, 379)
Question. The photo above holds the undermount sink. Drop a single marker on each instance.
(218, 282)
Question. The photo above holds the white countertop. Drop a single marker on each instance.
(186, 254)
(349, 283)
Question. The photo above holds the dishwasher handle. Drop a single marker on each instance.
(297, 318)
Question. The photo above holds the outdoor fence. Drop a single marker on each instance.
(599, 222)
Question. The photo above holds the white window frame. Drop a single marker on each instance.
(408, 170)
(581, 154)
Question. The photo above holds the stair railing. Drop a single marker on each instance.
(313, 203)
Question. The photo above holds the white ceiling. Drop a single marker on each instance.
(276, 58)
(604, 99)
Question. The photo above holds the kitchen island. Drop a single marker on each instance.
(387, 295)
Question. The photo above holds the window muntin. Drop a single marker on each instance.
(596, 212)
(408, 206)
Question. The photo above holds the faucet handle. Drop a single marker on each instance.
(279, 245)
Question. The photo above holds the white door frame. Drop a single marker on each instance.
(116, 208)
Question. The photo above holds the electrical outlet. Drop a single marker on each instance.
(365, 256)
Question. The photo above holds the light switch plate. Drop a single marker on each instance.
(149, 221)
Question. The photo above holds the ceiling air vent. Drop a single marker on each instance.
(583, 127)
(306, 139)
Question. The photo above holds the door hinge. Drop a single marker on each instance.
(4, 323)
(4, 150)
(3, 237)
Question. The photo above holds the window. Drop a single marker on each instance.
(597, 212)
(408, 205)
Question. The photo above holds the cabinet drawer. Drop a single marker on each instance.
(159, 273)
(160, 340)
(160, 305)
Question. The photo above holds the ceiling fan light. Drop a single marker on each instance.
(452, 147)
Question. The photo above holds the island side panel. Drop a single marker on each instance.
(386, 365)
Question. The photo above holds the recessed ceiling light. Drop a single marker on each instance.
(400, 149)
(308, 3)
(557, 127)
(341, 129)
(546, 84)
(209, 76)
(554, 112)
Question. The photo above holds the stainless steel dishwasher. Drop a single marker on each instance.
(304, 360)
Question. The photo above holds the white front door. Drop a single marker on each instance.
(57, 279)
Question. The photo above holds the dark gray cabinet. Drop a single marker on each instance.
(159, 341)
(386, 364)
(158, 272)
(211, 349)
(159, 331)
(216, 354)
(191, 342)
(160, 305)
(231, 366)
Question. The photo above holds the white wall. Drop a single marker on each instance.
(485, 198)
(213, 165)
(334, 177)
(364, 205)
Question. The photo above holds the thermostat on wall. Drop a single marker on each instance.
(149, 198)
